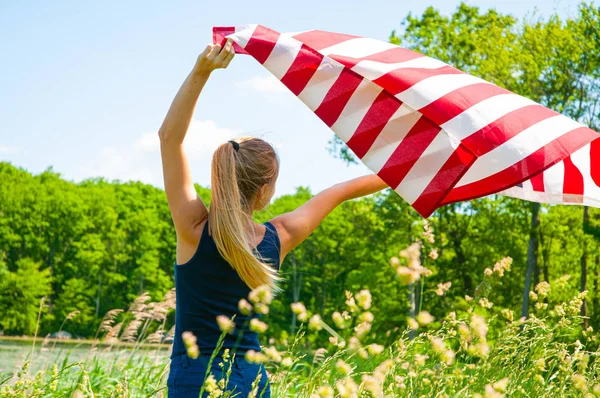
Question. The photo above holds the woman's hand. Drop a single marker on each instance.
(214, 57)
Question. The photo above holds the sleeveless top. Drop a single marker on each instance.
(207, 286)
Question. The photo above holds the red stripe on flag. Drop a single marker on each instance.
(573, 179)
(302, 69)
(537, 182)
(525, 169)
(337, 97)
(319, 39)
(451, 172)
(402, 79)
(261, 43)
(378, 115)
(408, 152)
(453, 104)
(391, 56)
(501, 130)
(595, 161)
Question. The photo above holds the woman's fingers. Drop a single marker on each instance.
(229, 57)
(227, 49)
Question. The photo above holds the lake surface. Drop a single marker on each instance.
(14, 353)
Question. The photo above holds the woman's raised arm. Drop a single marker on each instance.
(294, 227)
(186, 206)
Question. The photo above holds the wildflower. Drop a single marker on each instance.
(287, 362)
(366, 317)
(210, 384)
(503, 265)
(468, 298)
(364, 354)
(420, 359)
(412, 324)
(395, 262)
(325, 392)
(427, 233)
(372, 385)
(383, 369)
(300, 310)
(485, 303)
(261, 308)
(541, 306)
(508, 314)
(261, 294)
(342, 367)
(225, 324)
(347, 388)
(363, 299)
(273, 354)
(258, 326)
(464, 332)
(479, 326)
(491, 393)
(189, 340)
(501, 385)
(338, 320)
(579, 382)
(542, 289)
(351, 303)
(433, 254)
(442, 288)
(424, 318)
(338, 343)
(314, 323)
(488, 272)
(255, 357)
(244, 307)
(539, 379)
(362, 329)
(353, 343)
(448, 357)
(438, 344)
(533, 296)
(407, 276)
(375, 349)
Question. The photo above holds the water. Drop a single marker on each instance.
(14, 353)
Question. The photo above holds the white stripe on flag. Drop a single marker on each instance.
(554, 179)
(427, 167)
(527, 186)
(518, 148)
(484, 113)
(435, 87)
(390, 137)
(283, 55)
(374, 69)
(320, 83)
(582, 159)
(243, 34)
(358, 48)
(355, 110)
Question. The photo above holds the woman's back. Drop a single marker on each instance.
(207, 286)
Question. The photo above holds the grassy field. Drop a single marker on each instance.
(478, 350)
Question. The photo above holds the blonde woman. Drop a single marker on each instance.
(221, 252)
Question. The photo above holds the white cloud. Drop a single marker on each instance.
(269, 84)
(5, 149)
(140, 159)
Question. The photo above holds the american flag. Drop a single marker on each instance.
(433, 133)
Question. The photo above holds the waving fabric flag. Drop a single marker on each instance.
(434, 134)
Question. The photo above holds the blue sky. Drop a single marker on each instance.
(84, 86)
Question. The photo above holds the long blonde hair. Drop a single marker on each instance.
(239, 171)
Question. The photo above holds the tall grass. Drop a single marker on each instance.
(478, 350)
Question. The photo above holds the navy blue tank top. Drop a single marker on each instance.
(207, 286)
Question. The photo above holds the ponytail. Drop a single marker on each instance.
(229, 216)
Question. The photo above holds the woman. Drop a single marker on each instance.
(222, 254)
